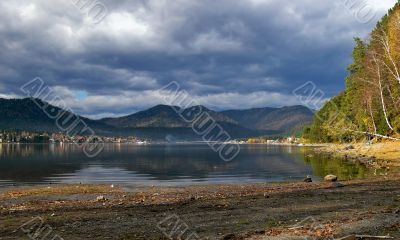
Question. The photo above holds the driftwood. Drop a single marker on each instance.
(356, 237)
(377, 135)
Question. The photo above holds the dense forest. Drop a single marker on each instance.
(370, 104)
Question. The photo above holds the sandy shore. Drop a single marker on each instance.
(379, 154)
(255, 211)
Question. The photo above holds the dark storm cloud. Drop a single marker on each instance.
(227, 54)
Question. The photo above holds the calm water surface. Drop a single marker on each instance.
(132, 165)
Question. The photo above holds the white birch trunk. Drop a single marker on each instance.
(381, 94)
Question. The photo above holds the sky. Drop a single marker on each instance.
(112, 57)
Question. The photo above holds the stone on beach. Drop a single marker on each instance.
(308, 179)
(100, 199)
(330, 178)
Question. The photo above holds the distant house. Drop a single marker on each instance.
(292, 139)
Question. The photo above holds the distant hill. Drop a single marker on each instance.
(285, 119)
(165, 120)
(161, 122)
(25, 114)
(163, 116)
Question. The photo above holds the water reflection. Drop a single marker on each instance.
(25, 164)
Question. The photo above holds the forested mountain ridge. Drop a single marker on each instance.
(370, 103)
(162, 116)
(277, 119)
(157, 122)
(29, 114)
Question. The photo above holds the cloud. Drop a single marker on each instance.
(228, 54)
(214, 42)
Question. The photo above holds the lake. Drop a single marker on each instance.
(164, 165)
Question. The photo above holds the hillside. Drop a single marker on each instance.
(164, 122)
(162, 116)
(25, 114)
(273, 119)
(369, 105)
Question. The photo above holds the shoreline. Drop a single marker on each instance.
(184, 143)
(241, 211)
(384, 154)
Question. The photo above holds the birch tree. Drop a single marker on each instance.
(379, 79)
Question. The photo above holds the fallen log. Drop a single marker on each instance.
(357, 237)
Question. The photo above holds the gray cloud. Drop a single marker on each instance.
(227, 54)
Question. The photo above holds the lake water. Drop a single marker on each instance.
(133, 165)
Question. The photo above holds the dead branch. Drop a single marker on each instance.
(355, 237)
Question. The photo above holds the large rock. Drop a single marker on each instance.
(308, 179)
(330, 178)
(101, 199)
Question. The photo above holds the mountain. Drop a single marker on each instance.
(272, 119)
(163, 116)
(257, 121)
(161, 122)
(158, 116)
(369, 105)
(28, 114)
